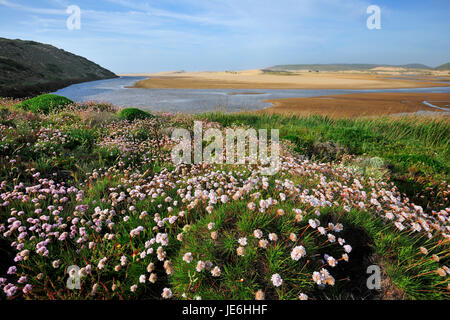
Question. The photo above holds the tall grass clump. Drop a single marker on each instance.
(131, 114)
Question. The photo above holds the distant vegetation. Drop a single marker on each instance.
(278, 73)
(343, 67)
(28, 68)
(445, 66)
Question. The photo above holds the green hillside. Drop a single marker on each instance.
(445, 66)
(29, 68)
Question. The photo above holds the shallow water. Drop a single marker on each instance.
(196, 100)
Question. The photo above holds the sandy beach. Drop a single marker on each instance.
(346, 105)
(257, 79)
(360, 104)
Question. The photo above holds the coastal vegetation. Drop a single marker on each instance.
(92, 207)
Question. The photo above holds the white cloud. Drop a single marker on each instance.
(21, 7)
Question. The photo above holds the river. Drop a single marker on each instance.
(115, 91)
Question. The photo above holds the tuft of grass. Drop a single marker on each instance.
(132, 114)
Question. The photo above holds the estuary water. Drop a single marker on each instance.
(115, 91)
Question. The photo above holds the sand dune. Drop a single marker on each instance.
(257, 79)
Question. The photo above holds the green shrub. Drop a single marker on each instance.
(45, 103)
(131, 114)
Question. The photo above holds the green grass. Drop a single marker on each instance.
(131, 114)
(45, 103)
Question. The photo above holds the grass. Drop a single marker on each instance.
(86, 184)
(131, 114)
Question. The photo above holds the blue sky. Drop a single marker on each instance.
(160, 35)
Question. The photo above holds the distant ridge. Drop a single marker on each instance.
(29, 68)
(344, 67)
(445, 66)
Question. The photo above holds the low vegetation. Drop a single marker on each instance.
(414, 150)
(92, 207)
(45, 103)
(131, 114)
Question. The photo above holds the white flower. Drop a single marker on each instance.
(276, 280)
(273, 237)
(258, 234)
(313, 223)
(331, 261)
(162, 238)
(298, 252)
(153, 278)
(133, 288)
(55, 264)
(348, 248)
(331, 237)
(243, 241)
(187, 257)
(211, 225)
(224, 198)
(167, 293)
(259, 295)
(263, 243)
(102, 263)
(200, 266)
(303, 296)
(216, 271)
(142, 278)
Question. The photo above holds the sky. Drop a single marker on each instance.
(144, 36)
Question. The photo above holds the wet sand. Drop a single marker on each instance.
(256, 79)
(359, 104)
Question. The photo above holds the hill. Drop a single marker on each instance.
(445, 66)
(342, 67)
(29, 68)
